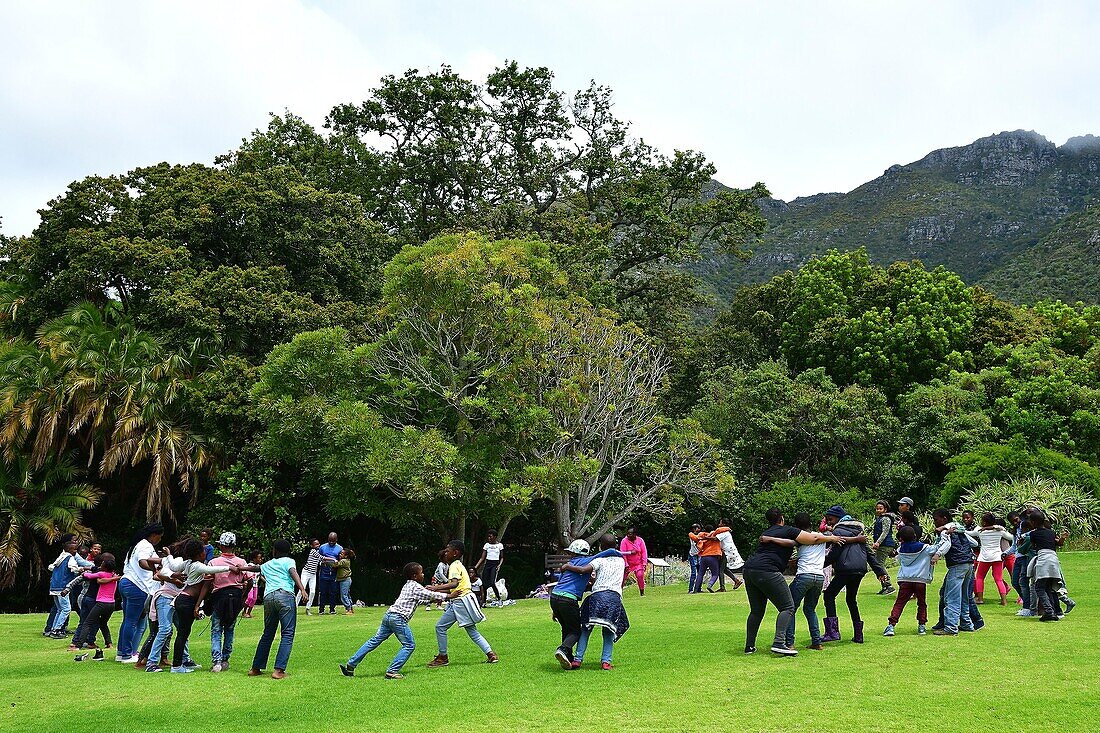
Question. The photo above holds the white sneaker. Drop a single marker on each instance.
(217, 667)
(127, 660)
(889, 630)
(1025, 612)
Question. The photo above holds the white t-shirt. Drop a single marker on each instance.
(608, 573)
(811, 559)
(729, 549)
(138, 575)
(492, 552)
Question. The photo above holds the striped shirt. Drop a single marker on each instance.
(312, 562)
(411, 594)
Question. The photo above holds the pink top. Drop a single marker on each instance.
(230, 579)
(106, 592)
(640, 555)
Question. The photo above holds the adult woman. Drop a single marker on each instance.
(637, 557)
(136, 586)
(710, 554)
(492, 558)
(280, 609)
(849, 563)
(764, 580)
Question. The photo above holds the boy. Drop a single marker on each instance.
(604, 605)
(914, 575)
(395, 622)
(955, 612)
(883, 543)
(565, 599)
(463, 609)
(63, 570)
(226, 601)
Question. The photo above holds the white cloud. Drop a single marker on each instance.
(805, 96)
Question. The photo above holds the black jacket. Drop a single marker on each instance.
(852, 559)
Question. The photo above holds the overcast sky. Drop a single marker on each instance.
(805, 96)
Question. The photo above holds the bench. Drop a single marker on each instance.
(553, 561)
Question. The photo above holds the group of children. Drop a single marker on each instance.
(969, 552)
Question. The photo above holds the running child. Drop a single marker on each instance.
(463, 608)
(395, 622)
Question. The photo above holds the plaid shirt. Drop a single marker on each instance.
(411, 594)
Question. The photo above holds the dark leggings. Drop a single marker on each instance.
(489, 579)
(96, 620)
(568, 613)
(184, 620)
(761, 587)
(708, 563)
(849, 584)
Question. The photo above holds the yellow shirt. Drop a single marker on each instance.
(457, 571)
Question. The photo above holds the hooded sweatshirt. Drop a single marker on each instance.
(916, 558)
(851, 559)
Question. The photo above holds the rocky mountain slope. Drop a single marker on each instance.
(1005, 211)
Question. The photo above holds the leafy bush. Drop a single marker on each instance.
(1068, 506)
(994, 462)
(801, 494)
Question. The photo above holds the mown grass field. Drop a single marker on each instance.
(679, 668)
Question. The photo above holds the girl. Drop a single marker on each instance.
(280, 577)
(439, 577)
(602, 607)
(343, 578)
(309, 574)
(188, 604)
(849, 562)
(990, 554)
(253, 591)
(1046, 569)
(161, 613)
(693, 555)
(107, 581)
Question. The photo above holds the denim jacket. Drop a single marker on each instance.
(62, 575)
(915, 559)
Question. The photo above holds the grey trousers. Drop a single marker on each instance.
(762, 587)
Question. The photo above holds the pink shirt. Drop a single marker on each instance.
(230, 579)
(106, 592)
(640, 556)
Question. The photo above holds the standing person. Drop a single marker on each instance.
(565, 607)
(882, 540)
(280, 577)
(907, 514)
(968, 523)
(1046, 570)
(916, 560)
(342, 566)
(67, 567)
(710, 559)
(463, 608)
(734, 563)
(327, 587)
(808, 582)
(603, 607)
(187, 605)
(162, 612)
(954, 611)
(226, 600)
(764, 580)
(637, 557)
(309, 574)
(693, 555)
(137, 586)
(1020, 561)
(106, 581)
(253, 584)
(492, 558)
(993, 540)
(208, 549)
(849, 563)
(439, 577)
(395, 622)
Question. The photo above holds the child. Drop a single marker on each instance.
(63, 570)
(226, 600)
(693, 555)
(439, 577)
(309, 574)
(187, 605)
(808, 583)
(914, 575)
(106, 580)
(395, 622)
(604, 605)
(252, 579)
(463, 609)
(955, 597)
(280, 580)
(849, 562)
(1045, 570)
(882, 540)
(475, 583)
(991, 551)
(342, 567)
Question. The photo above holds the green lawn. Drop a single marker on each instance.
(680, 667)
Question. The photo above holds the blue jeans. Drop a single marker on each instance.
(951, 596)
(1020, 582)
(345, 593)
(693, 563)
(165, 614)
(971, 617)
(134, 619)
(393, 624)
(279, 612)
(221, 639)
(806, 589)
(61, 607)
(446, 621)
(328, 592)
(608, 644)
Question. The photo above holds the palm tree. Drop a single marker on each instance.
(36, 507)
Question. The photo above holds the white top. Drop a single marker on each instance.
(169, 565)
(811, 559)
(729, 549)
(492, 551)
(608, 573)
(138, 575)
(476, 585)
(990, 539)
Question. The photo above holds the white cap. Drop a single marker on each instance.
(579, 547)
(228, 539)
(906, 500)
